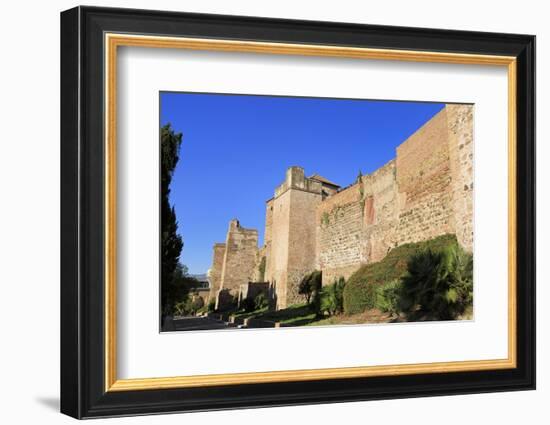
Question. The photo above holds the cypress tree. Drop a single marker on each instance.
(171, 241)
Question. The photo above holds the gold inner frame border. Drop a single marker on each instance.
(111, 43)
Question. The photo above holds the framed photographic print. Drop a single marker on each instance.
(261, 212)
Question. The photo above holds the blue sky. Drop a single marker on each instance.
(236, 149)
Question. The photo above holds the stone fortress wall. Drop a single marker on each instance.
(312, 224)
(238, 256)
(215, 274)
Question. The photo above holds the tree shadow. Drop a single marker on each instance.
(301, 322)
(285, 314)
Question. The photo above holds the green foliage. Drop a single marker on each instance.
(201, 311)
(177, 291)
(171, 241)
(211, 305)
(247, 305)
(388, 296)
(227, 301)
(310, 285)
(198, 303)
(332, 298)
(293, 315)
(190, 306)
(180, 308)
(359, 296)
(261, 301)
(360, 292)
(438, 284)
(325, 219)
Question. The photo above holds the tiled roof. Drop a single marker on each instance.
(323, 180)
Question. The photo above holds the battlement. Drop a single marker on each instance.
(235, 226)
(295, 179)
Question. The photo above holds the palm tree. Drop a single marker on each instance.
(438, 284)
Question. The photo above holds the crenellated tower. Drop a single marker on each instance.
(290, 233)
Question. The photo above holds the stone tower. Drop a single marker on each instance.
(239, 257)
(290, 234)
(215, 275)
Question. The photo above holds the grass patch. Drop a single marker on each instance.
(302, 315)
(244, 315)
(367, 317)
(294, 315)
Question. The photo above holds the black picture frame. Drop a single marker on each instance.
(83, 392)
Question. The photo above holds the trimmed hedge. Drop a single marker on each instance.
(360, 292)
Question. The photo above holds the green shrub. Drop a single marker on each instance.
(310, 284)
(332, 298)
(202, 310)
(360, 292)
(179, 308)
(177, 291)
(198, 303)
(315, 303)
(260, 301)
(248, 305)
(359, 297)
(387, 296)
(211, 305)
(438, 284)
(226, 301)
(189, 307)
